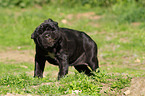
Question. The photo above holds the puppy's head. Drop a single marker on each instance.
(46, 34)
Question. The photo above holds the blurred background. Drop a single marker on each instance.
(117, 26)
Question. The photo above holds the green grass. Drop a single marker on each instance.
(120, 43)
(23, 83)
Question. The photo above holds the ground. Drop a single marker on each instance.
(137, 87)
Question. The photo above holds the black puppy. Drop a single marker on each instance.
(63, 47)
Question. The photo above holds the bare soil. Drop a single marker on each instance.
(87, 15)
(16, 56)
(137, 87)
(90, 15)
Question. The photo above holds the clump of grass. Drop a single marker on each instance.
(80, 82)
(16, 84)
(72, 84)
(116, 82)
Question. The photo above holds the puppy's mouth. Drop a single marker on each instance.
(48, 45)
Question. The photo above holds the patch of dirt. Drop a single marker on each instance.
(137, 87)
(10, 94)
(15, 56)
(135, 23)
(88, 15)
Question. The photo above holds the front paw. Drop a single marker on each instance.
(38, 75)
(60, 76)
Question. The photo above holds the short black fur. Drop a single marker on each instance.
(63, 47)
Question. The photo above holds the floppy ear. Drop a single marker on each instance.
(55, 23)
(32, 36)
(50, 20)
(51, 23)
(35, 33)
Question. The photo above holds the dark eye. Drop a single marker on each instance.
(47, 36)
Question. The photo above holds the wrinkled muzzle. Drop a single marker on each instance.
(44, 43)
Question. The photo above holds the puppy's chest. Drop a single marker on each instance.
(51, 55)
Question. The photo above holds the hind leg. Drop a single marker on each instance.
(83, 68)
(93, 63)
(92, 59)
